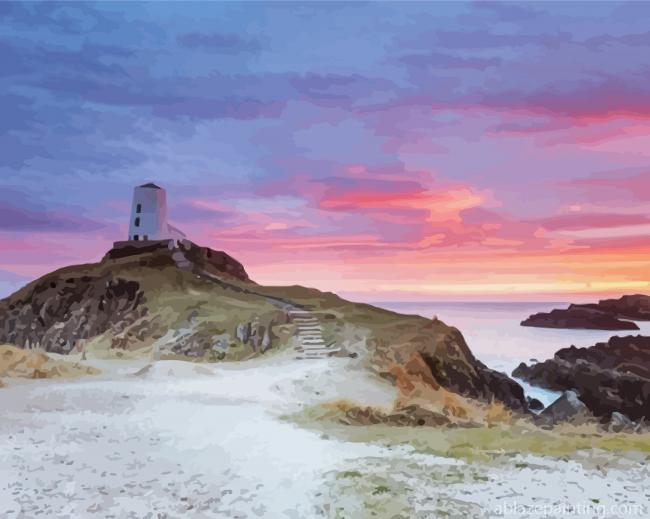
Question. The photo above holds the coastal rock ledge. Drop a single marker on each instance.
(609, 377)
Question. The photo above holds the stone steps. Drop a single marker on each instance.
(310, 336)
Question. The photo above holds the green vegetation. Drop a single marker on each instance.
(381, 489)
(183, 303)
(479, 444)
(350, 474)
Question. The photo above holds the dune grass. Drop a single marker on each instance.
(479, 443)
(36, 364)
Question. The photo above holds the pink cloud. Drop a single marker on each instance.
(577, 221)
(612, 186)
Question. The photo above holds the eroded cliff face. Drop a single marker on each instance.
(430, 351)
(59, 310)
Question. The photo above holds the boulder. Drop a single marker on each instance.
(534, 404)
(567, 408)
(619, 422)
(243, 332)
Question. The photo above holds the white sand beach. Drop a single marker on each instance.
(188, 440)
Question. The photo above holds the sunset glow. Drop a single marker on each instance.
(426, 152)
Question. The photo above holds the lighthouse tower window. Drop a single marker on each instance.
(137, 222)
(138, 208)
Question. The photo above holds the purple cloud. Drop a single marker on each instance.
(20, 219)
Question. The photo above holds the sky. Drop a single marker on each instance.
(383, 151)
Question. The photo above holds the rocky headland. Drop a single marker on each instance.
(607, 314)
(394, 380)
(609, 378)
(181, 301)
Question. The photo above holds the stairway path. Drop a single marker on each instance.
(310, 336)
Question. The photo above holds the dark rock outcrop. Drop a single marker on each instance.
(635, 307)
(57, 311)
(607, 314)
(610, 377)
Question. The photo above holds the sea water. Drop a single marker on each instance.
(494, 334)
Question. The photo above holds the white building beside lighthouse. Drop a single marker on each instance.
(149, 215)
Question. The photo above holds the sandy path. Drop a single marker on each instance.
(179, 439)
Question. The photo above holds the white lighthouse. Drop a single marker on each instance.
(149, 215)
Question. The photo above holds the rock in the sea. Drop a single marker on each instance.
(579, 317)
(534, 404)
(607, 314)
(567, 408)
